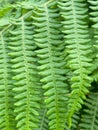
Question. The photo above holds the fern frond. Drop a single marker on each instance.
(48, 38)
(6, 94)
(89, 119)
(93, 17)
(26, 82)
(78, 47)
(94, 68)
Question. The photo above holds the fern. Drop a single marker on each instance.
(90, 115)
(26, 83)
(93, 18)
(6, 95)
(48, 64)
(78, 46)
(48, 39)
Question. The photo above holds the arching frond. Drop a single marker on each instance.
(26, 82)
(48, 38)
(93, 17)
(48, 64)
(6, 94)
(78, 47)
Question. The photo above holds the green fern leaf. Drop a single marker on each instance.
(93, 17)
(78, 47)
(26, 82)
(6, 94)
(48, 38)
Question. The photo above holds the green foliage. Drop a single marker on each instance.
(78, 47)
(6, 86)
(89, 119)
(26, 82)
(48, 65)
(49, 40)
